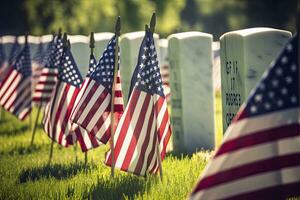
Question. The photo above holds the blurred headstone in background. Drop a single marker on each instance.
(129, 51)
(192, 112)
(164, 67)
(245, 55)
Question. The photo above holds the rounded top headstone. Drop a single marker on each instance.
(190, 34)
(8, 39)
(78, 39)
(103, 36)
(255, 31)
(135, 35)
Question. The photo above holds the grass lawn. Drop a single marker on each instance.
(24, 173)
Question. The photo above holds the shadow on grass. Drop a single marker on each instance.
(22, 150)
(57, 171)
(120, 187)
(13, 130)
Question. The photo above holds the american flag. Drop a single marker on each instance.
(15, 89)
(86, 140)
(145, 123)
(37, 64)
(93, 110)
(48, 76)
(14, 52)
(56, 120)
(259, 157)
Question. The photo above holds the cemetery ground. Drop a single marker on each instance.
(25, 173)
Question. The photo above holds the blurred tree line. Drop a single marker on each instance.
(83, 16)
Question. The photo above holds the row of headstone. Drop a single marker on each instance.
(194, 67)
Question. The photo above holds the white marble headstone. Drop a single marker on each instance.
(245, 55)
(192, 112)
(129, 50)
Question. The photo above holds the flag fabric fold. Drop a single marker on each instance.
(85, 139)
(144, 129)
(44, 87)
(57, 113)
(92, 112)
(259, 156)
(15, 89)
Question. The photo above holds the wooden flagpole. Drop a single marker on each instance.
(112, 117)
(55, 96)
(35, 124)
(152, 29)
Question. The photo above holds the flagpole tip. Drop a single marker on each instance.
(118, 26)
(26, 38)
(146, 28)
(59, 32)
(92, 41)
(65, 41)
(153, 22)
(69, 44)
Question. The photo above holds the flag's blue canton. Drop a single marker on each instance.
(278, 88)
(14, 52)
(2, 55)
(68, 72)
(148, 76)
(47, 53)
(104, 71)
(92, 65)
(38, 57)
(56, 53)
(23, 62)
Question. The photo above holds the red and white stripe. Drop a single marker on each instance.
(36, 72)
(56, 121)
(144, 125)
(85, 139)
(45, 85)
(264, 150)
(165, 76)
(4, 70)
(15, 93)
(93, 110)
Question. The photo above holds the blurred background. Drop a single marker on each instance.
(83, 16)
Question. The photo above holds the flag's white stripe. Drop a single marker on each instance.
(99, 112)
(139, 143)
(154, 158)
(149, 147)
(10, 90)
(118, 87)
(86, 139)
(42, 95)
(263, 122)
(253, 154)
(24, 105)
(92, 101)
(8, 82)
(43, 87)
(103, 128)
(44, 79)
(16, 94)
(129, 133)
(83, 98)
(21, 98)
(23, 113)
(118, 100)
(249, 184)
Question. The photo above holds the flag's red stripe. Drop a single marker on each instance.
(67, 114)
(17, 101)
(18, 110)
(152, 154)
(105, 137)
(44, 90)
(94, 108)
(25, 115)
(165, 142)
(81, 109)
(275, 193)
(46, 82)
(141, 159)
(12, 92)
(80, 139)
(267, 165)
(264, 136)
(136, 133)
(48, 74)
(93, 140)
(8, 73)
(118, 93)
(131, 107)
(5, 83)
(59, 108)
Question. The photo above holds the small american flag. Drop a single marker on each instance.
(259, 157)
(93, 110)
(86, 140)
(15, 89)
(48, 76)
(14, 52)
(56, 120)
(37, 65)
(145, 122)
